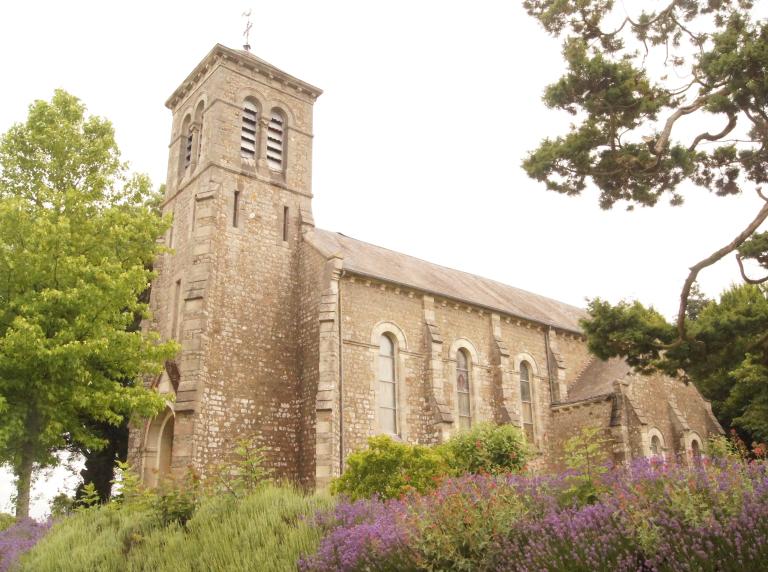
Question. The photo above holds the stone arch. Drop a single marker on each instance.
(158, 448)
(525, 356)
(391, 327)
(284, 108)
(474, 378)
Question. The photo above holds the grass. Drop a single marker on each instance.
(267, 531)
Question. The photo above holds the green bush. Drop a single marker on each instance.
(486, 448)
(267, 530)
(6, 520)
(389, 469)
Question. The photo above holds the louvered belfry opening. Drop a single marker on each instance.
(188, 149)
(248, 133)
(275, 138)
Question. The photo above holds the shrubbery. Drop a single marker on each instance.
(268, 529)
(6, 520)
(650, 516)
(486, 448)
(389, 469)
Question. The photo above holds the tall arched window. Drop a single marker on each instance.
(526, 401)
(188, 148)
(656, 448)
(462, 388)
(275, 140)
(185, 141)
(696, 451)
(249, 130)
(387, 386)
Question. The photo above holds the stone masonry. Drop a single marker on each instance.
(281, 323)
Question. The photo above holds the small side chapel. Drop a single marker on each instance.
(312, 341)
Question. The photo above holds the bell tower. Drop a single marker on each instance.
(239, 191)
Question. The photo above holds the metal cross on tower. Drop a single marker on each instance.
(247, 32)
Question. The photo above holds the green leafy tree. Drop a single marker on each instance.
(76, 240)
(623, 86)
(725, 354)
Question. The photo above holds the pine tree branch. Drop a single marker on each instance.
(744, 276)
(709, 261)
(732, 120)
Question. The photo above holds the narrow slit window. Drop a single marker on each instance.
(387, 389)
(235, 209)
(275, 141)
(526, 401)
(249, 130)
(462, 388)
(285, 224)
(176, 302)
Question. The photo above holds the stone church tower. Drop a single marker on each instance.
(312, 341)
(238, 187)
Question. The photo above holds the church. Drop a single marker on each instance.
(311, 341)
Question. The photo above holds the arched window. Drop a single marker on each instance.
(165, 449)
(656, 447)
(526, 401)
(275, 140)
(696, 451)
(462, 388)
(199, 126)
(185, 142)
(188, 149)
(249, 130)
(387, 389)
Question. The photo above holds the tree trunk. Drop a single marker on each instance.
(100, 465)
(24, 480)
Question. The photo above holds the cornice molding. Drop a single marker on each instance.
(247, 61)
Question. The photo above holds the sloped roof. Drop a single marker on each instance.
(377, 262)
(597, 378)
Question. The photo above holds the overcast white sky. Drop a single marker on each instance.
(429, 109)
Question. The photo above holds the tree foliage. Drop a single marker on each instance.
(664, 101)
(623, 86)
(77, 236)
(726, 354)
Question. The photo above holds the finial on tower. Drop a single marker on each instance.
(247, 32)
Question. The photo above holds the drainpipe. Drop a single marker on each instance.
(341, 378)
(548, 351)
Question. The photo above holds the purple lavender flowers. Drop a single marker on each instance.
(650, 516)
(18, 539)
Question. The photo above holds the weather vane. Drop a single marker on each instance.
(247, 33)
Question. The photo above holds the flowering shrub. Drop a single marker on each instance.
(648, 516)
(18, 539)
(486, 448)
